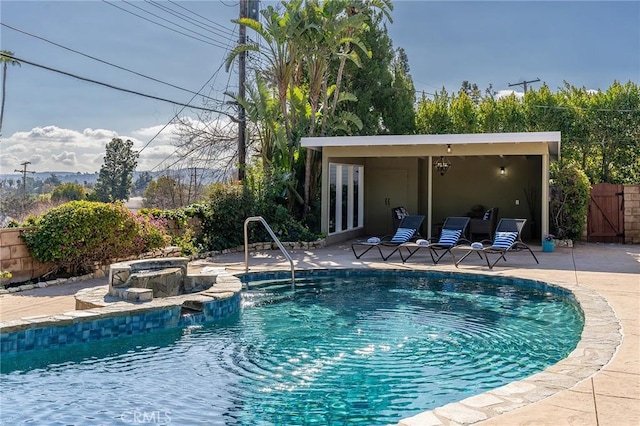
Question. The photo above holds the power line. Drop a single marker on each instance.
(226, 36)
(203, 17)
(176, 116)
(24, 61)
(164, 26)
(169, 21)
(178, 113)
(105, 62)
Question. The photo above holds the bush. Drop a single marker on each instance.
(79, 233)
(182, 235)
(569, 202)
(224, 215)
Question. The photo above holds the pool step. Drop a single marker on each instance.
(134, 294)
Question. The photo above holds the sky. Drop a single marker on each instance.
(62, 124)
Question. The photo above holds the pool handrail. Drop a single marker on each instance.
(277, 241)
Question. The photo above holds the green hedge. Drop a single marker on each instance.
(79, 233)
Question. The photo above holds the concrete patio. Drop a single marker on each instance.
(611, 273)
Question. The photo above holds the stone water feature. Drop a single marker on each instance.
(146, 279)
(160, 283)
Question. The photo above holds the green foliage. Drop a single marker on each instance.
(53, 180)
(569, 201)
(306, 47)
(463, 114)
(271, 198)
(79, 233)
(433, 116)
(382, 84)
(228, 205)
(600, 129)
(68, 192)
(115, 177)
(181, 234)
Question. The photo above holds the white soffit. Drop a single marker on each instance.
(551, 139)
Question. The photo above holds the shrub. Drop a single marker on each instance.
(180, 233)
(224, 215)
(569, 202)
(79, 233)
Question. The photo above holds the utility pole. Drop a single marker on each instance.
(524, 84)
(24, 172)
(242, 120)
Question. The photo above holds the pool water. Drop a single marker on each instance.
(357, 350)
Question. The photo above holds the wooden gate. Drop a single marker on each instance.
(605, 222)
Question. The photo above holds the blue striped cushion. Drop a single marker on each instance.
(504, 240)
(402, 235)
(449, 237)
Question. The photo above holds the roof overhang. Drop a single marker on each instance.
(471, 140)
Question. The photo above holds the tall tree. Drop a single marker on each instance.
(279, 33)
(335, 27)
(399, 115)
(116, 174)
(6, 58)
(382, 86)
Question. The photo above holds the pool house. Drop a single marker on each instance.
(365, 177)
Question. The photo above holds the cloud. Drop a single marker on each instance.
(7, 161)
(100, 134)
(507, 93)
(36, 159)
(56, 149)
(66, 158)
(159, 134)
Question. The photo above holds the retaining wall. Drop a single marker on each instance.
(15, 258)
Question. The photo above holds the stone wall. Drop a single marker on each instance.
(632, 214)
(15, 258)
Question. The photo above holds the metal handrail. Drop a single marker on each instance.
(270, 231)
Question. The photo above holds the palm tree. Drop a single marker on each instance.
(280, 50)
(300, 42)
(6, 57)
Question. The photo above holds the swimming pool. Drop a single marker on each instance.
(345, 348)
